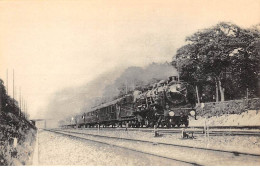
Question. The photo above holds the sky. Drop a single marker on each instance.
(54, 45)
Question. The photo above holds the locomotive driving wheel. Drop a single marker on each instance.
(163, 124)
(186, 123)
(146, 123)
(138, 124)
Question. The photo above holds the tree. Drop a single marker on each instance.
(225, 56)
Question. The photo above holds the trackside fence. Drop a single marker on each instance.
(227, 107)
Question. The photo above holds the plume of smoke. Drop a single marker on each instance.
(71, 101)
(137, 77)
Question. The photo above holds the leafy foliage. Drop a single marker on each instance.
(225, 57)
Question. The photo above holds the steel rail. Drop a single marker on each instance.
(168, 144)
(147, 153)
(213, 132)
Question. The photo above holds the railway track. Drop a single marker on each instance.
(213, 131)
(228, 127)
(171, 160)
(181, 153)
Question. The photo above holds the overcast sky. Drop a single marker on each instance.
(53, 45)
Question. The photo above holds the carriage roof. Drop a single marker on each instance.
(105, 104)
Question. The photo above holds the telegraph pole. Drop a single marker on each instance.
(21, 106)
(26, 110)
(7, 81)
(13, 86)
(20, 101)
(126, 88)
(1, 88)
(178, 70)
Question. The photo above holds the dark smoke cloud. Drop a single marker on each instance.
(136, 77)
(72, 101)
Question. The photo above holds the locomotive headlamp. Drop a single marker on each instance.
(173, 88)
(192, 112)
(171, 113)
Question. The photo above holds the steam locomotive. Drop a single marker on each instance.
(168, 103)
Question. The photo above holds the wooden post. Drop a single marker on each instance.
(197, 92)
(183, 133)
(208, 131)
(126, 126)
(156, 133)
(15, 141)
(205, 128)
(247, 100)
(98, 128)
(217, 92)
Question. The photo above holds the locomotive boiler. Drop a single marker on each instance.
(166, 104)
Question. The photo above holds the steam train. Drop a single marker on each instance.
(168, 103)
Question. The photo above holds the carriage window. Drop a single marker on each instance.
(113, 108)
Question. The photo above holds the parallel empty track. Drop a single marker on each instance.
(179, 162)
(213, 131)
(181, 153)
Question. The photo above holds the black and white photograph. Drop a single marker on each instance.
(129, 83)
